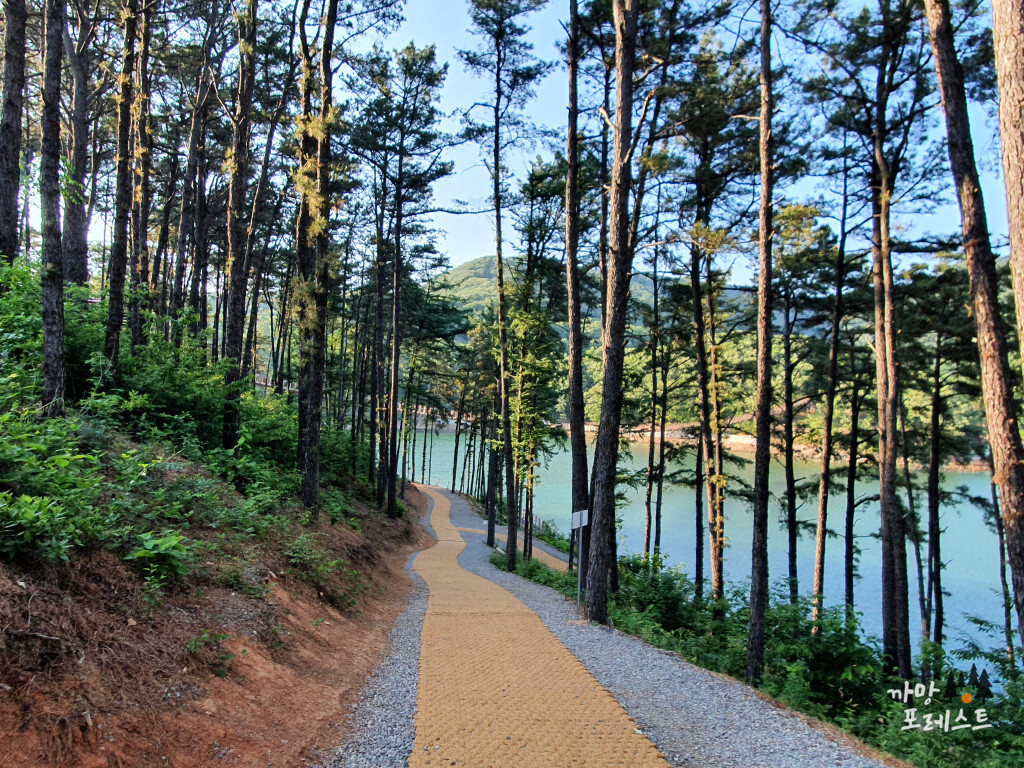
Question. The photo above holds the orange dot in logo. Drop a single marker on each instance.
(966, 698)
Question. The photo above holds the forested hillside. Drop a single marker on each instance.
(229, 334)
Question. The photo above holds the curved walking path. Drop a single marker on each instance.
(552, 562)
(496, 687)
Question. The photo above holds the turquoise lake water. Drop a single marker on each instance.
(969, 547)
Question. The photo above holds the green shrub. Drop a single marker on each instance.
(499, 560)
(336, 504)
(36, 525)
(534, 570)
(342, 459)
(161, 557)
(547, 531)
(333, 577)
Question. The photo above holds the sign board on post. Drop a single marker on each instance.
(580, 518)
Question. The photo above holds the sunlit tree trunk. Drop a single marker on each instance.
(762, 454)
(997, 388)
(237, 266)
(142, 194)
(1008, 38)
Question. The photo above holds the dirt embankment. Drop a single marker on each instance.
(94, 674)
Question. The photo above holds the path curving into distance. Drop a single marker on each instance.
(496, 687)
(486, 668)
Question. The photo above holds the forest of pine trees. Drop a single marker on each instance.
(223, 213)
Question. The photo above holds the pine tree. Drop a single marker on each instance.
(762, 458)
(506, 59)
(984, 687)
(123, 188)
(1000, 405)
(49, 193)
(237, 266)
(15, 16)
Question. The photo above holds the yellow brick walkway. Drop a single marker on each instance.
(497, 688)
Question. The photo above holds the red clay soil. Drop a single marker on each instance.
(92, 675)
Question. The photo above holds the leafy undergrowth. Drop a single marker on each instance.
(832, 675)
(126, 597)
(548, 532)
(141, 564)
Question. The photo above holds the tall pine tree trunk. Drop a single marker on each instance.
(74, 238)
(997, 387)
(237, 266)
(825, 476)
(15, 16)
(1004, 586)
(895, 610)
(577, 428)
(396, 330)
(762, 451)
(187, 214)
(312, 247)
(620, 260)
(788, 417)
(1008, 37)
(142, 194)
(504, 374)
(49, 194)
(934, 591)
(122, 190)
(849, 568)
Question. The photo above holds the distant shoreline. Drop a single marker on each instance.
(739, 442)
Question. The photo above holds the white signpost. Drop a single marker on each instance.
(580, 518)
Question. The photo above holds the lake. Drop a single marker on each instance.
(970, 548)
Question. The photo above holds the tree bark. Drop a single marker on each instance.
(1004, 586)
(311, 251)
(237, 266)
(602, 536)
(74, 238)
(788, 417)
(504, 374)
(577, 427)
(997, 388)
(15, 17)
(142, 196)
(123, 190)
(49, 194)
(825, 476)
(1008, 38)
(934, 591)
(396, 330)
(187, 214)
(762, 451)
(851, 500)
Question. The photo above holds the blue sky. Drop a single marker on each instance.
(445, 23)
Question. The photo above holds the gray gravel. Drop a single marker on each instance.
(696, 718)
(382, 724)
